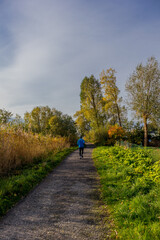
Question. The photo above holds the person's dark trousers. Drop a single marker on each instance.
(81, 152)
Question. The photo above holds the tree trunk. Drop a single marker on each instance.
(145, 131)
(96, 112)
(119, 118)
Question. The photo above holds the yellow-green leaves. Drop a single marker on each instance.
(111, 99)
(91, 102)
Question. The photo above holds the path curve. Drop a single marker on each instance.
(62, 206)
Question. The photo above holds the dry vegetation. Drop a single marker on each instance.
(18, 147)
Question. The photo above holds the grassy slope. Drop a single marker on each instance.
(130, 187)
(16, 186)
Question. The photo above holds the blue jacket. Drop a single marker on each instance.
(81, 143)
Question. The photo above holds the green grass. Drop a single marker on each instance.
(130, 186)
(17, 185)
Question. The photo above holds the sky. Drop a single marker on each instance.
(47, 47)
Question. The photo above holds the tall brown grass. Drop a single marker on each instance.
(18, 147)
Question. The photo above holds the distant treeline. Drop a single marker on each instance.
(42, 120)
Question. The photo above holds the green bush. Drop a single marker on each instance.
(98, 136)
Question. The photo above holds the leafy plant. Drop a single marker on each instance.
(130, 180)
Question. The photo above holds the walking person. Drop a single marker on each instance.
(80, 144)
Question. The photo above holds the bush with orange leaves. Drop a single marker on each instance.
(115, 133)
(18, 147)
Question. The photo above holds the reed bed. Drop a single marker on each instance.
(18, 147)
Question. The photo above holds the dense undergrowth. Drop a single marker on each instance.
(22, 180)
(130, 185)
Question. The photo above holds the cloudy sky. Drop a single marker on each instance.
(47, 47)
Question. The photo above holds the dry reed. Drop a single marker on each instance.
(18, 147)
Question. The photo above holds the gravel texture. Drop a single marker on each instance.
(65, 205)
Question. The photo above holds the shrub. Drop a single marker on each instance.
(115, 133)
(98, 136)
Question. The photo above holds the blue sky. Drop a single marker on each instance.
(47, 47)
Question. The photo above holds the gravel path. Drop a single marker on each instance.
(63, 206)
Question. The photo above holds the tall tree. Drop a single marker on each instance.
(143, 89)
(17, 122)
(50, 121)
(63, 125)
(83, 125)
(38, 119)
(111, 98)
(91, 101)
(5, 116)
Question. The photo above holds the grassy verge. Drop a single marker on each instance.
(16, 186)
(130, 187)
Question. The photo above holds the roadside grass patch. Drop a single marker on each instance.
(18, 184)
(130, 186)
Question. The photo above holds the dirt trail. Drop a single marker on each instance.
(63, 206)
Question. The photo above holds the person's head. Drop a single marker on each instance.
(81, 136)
